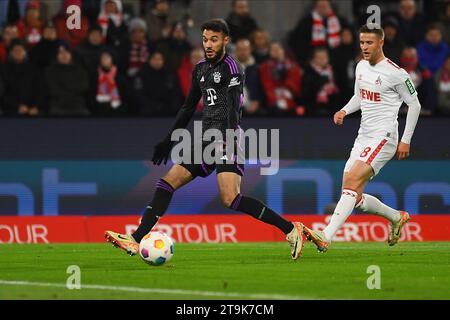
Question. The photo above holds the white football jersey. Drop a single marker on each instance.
(381, 89)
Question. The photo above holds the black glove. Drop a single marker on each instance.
(161, 152)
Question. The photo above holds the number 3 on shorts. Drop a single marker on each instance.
(365, 152)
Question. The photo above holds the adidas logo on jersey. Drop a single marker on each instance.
(202, 79)
(234, 82)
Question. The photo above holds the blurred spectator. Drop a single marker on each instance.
(156, 88)
(12, 10)
(2, 92)
(433, 51)
(445, 23)
(185, 73)
(175, 47)
(92, 9)
(110, 12)
(112, 23)
(344, 60)
(49, 9)
(281, 81)
(46, 50)
(422, 79)
(3, 53)
(159, 20)
(67, 85)
(240, 22)
(443, 87)
(107, 91)
(191, 30)
(15, 9)
(90, 50)
(411, 24)
(3, 12)
(320, 28)
(393, 44)
(260, 42)
(76, 36)
(136, 50)
(253, 98)
(21, 81)
(30, 27)
(10, 33)
(319, 87)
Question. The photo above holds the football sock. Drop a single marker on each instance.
(370, 204)
(156, 209)
(260, 211)
(343, 210)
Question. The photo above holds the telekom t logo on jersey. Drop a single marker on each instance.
(212, 96)
(369, 95)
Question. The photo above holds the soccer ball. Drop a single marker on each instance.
(156, 248)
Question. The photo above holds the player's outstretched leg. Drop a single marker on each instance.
(397, 218)
(344, 208)
(353, 183)
(318, 238)
(229, 186)
(258, 210)
(396, 228)
(123, 241)
(295, 240)
(154, 211)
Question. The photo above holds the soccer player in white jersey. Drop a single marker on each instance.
(380, 89)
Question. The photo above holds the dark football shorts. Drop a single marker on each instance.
(204, 170)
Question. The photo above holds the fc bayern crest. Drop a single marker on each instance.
(217, 77)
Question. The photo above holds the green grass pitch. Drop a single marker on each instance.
(228, 272)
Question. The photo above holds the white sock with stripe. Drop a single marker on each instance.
(343, 210)
(372, 205)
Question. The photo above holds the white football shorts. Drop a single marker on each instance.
(376, 152)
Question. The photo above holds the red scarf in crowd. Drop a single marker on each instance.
(103, 18)
(31, 33)
(417, 75)
(3, 53)
(328, 88)
(444, 80)
(138, 57)
(325, 36)
(107, 87)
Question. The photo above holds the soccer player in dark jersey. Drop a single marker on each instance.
(219, 80)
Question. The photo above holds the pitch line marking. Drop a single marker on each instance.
(256, 296)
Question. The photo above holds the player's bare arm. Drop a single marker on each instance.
(403, 151)
(339, 117)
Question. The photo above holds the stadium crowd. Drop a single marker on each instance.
(118, 64)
